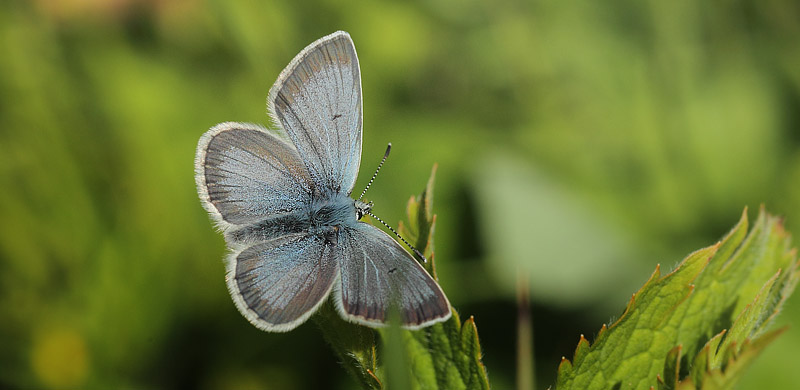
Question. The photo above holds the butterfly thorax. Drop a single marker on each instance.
(330, 213)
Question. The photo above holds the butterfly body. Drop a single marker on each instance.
(321, 217)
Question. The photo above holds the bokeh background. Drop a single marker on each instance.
(579, 143)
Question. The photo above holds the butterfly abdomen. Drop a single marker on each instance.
(269, 228)
(322, 217)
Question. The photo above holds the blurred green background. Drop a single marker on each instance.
(579, 142)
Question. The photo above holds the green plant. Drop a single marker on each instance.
(697, 327)
(701, 324)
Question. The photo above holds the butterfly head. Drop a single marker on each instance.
(362, 208)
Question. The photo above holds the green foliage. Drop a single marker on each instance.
(646, 123)
(446, 355)
(698, 326)
(353, 344)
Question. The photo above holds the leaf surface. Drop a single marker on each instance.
(700, 324)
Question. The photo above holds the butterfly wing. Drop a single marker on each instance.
(317, 101)
(376, 273)
(277, 284)
(244, 174)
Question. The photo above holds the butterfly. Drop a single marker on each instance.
(282, 200)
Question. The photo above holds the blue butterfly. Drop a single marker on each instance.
(282, 201)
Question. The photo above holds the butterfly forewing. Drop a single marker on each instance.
(245, 174)
(317, 101)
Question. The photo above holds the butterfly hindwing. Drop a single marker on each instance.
(377, 273)
(278, 284)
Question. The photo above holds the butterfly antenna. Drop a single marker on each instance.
(385, 155)
(416, 252)
(383, 160)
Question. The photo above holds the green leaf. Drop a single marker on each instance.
(446, 355)
(353, 344)
(701, 324)
(422, 223)
(719, 378)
